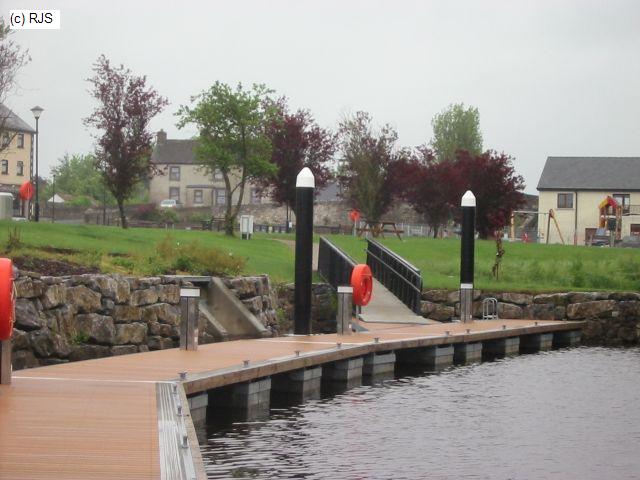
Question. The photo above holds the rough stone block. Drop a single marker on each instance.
(135, 333)
(27, 316)
(127, 313)
(123, 350)
(83, 299)
(98, 328)
(21, 359)
(598, 308)
(147, 296)
(54, 296)
(88, 352)
(159, 343)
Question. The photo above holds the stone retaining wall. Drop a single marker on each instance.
(80, 317)
(613, 318)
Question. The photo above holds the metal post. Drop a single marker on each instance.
(468, 205)
(189, 298)
(305, 187)
(37, 207)
(53, 203)
(5, 362)
(344, 314)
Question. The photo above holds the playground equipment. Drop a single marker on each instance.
(552, 216)
(7, 315)
(611, 217)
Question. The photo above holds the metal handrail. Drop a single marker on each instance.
(396, 274)
(334, 266)
(402, 278)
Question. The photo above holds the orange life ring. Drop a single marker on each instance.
(7, 299)
(362, 283)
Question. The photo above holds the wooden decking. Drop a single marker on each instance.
(99, 418)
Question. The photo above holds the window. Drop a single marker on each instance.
(217, 175)
(6, 140)
(21, 141)
(221, 196)
(4, 167)
(565, 200)
(256, 198)
(174, 173)
(174, 193)
(623, 199)
(20, 169)
(197, 196)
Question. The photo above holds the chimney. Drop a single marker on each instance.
(161, 137)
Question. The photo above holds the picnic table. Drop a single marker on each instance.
(379, 228)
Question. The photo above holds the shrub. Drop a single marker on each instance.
(148, 212)
(168, 216)
(191, 257)
(199, 217)
(80, 201)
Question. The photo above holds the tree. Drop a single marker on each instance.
(12, 59)
(430, 187)
(126, 105)
(456, 128)
(77, 175)
(498, 190)
(367, 165)
(233, 138)
(297, 142)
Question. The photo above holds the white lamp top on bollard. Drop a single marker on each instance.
(305, 179)
(468, 199)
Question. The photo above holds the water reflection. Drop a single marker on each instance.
(561, 414)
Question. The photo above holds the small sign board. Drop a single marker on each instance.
(189, 292)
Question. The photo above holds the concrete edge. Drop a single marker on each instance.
(238, 306)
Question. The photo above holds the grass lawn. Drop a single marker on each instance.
(112, 249)
(525, 267)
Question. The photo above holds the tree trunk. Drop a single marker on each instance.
(229, 219)
(123, 218)
(435, 231)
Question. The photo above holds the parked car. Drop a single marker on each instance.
(630, 241)
(169, 203)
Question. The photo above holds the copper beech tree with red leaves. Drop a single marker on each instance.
(126, 105)
(297, 142)
(434, 188)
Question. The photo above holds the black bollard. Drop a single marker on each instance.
(468, 205)
(305, 187)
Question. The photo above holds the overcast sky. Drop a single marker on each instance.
(549, 77)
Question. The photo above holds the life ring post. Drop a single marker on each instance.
(7, 314)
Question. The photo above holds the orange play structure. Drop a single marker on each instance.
(611, 216)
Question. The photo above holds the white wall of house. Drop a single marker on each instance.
(588, 213)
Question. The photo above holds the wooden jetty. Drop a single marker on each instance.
(128, 417)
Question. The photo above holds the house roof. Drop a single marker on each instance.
(13, 122)
(591, 173)
(173, 152)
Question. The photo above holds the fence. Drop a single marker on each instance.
(396, 274)
(334, 266)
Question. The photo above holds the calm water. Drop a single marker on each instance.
(569, 414)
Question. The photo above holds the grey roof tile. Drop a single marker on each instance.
(13, 122)
(591, 173)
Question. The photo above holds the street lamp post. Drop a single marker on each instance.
(37, 111)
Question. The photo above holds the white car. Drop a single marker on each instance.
(169, 203)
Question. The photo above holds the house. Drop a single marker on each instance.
(182, 179)
(577, 190)
(16, 156)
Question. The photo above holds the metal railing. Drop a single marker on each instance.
(396, 274)
(334, 266)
